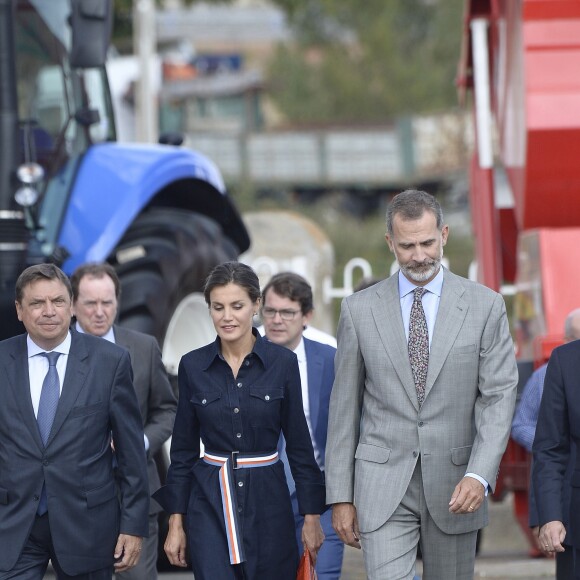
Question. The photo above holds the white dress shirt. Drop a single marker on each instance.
(38, 367)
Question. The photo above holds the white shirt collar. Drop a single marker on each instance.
(435, 286)
(34, 349)
(110, 335)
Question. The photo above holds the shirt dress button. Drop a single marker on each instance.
(204, 401)
(239, 385)
(236, 410)
(240, 484)
(267, 397)
(238, 435)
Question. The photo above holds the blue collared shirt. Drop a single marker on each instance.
(430, 300)
(526, 417)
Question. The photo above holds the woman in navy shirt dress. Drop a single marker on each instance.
(231, 510)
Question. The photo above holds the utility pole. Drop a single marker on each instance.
(144, 41)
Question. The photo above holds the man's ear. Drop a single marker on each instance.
(389, 243)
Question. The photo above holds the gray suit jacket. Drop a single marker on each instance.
(157, 402)
(97, 400)
(376, 429)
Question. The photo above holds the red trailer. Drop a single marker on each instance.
(520, 71)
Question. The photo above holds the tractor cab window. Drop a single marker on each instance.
(62, 111)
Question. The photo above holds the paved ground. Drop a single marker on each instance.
(503, 554)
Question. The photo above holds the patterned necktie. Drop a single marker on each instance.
(46, 411)
(419, 344)
(48, 397)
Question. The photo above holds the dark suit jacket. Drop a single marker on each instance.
(85, 510)
(320, 369)
(157, 402)
(320, 366)
(557, 434)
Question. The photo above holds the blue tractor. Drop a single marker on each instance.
(69, 193)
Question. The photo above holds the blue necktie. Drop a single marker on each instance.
(46, 411)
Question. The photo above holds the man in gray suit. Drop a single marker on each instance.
(63, 396)
(96, 292)
(421, 406)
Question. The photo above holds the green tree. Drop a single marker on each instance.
(367, 61)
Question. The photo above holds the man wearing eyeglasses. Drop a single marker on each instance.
(287, 308)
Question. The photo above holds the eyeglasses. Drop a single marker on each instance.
(284, 314)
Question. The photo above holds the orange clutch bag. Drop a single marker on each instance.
(306, 569)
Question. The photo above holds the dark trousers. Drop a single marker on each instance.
(37, 551)
(565, 564)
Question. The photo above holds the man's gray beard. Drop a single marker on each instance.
(423, 275)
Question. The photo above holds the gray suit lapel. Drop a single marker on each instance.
(386, 311)
(450, 316)
(123, 338)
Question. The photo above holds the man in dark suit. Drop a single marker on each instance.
(287, 309)
(64, 395)
(524, 430)
(557, 436)
(96, 292)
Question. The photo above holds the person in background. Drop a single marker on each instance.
(96, 293)
(421, 407)
(547, 413)
(64, 394)
(230, 509)
(287, 309)
(524, 431)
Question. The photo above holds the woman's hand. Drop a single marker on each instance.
(176, 543)
(312, 534)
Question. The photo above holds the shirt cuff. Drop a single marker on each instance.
(481, 480)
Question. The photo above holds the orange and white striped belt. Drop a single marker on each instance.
(228, 463)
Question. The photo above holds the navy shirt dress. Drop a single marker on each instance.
(246, 414)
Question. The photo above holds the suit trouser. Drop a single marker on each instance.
(146, 567)
(565, 563)
(390, 552)
(38, 550)
(329, 559)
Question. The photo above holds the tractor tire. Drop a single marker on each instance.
(165, 257)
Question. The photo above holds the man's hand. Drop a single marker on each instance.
(345, 523)
(176, 543)
(312, 535)
(127, 552)
(552, 535)
(467, 497)
(535, 531)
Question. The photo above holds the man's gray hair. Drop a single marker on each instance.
(411, 204)
(569, 333)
